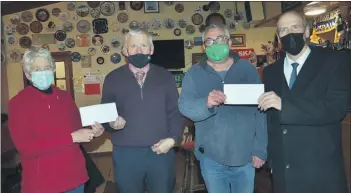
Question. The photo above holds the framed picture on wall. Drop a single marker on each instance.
(151, 7)
(238, 40)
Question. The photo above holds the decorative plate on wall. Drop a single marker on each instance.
(12, 40)
(202, 28)
(36, 27)
(42, 15)
(156, 24)
(214, 6)
(107, 8)
(169, 23)
(97, 40)
(68, 27)
(91, 51)
(27, 16)
(197, 19)
(15, 19)
(82, 10)
(64, 16)
(144, 25)
(134, 25)
(95, 13)
(62, 47)
(70, 42)
(136, 5)
(179, 8)
(25, 42)
(122, 17)
(177, 32)
(93, 4)
(105, 49)
(75, 56)
(60, 35)
(182, 23)
(228, 13)
(56, 12)
(83, 26)
(100, 26)
(205, 8)
(115, 43)
(100, 60)
(71, 6)
(115, 58)
(190, 29)
(22, 29)
(14, 55)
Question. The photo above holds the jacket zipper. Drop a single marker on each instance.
(141, 92)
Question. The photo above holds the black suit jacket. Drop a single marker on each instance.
(304, 143)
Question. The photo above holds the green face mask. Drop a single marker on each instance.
(217, 52)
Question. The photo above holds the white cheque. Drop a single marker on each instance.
(243, 94)
(102, 113)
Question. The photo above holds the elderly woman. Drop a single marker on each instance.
(45, 126)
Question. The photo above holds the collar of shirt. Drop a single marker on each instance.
(136, 70)
(301, 60)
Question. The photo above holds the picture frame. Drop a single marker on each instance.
(151, 7)
(238, 40)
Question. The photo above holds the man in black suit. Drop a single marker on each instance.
(307, 96)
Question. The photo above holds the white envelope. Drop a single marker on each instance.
(101, 113)
(243, 94)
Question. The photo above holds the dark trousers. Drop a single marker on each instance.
(135, 168)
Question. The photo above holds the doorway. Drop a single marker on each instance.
(63, 73)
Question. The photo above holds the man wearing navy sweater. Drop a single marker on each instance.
(230, 141)
(149, 124)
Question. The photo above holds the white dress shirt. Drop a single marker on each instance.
(288, 67)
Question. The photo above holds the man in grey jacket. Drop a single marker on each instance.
(231, 141)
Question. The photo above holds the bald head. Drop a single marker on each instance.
(292, 22)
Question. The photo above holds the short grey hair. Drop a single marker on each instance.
(33, 53)
(136, 32)
(218, 27)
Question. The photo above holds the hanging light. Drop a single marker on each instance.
(314, 8)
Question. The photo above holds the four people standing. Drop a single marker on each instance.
(307, 95)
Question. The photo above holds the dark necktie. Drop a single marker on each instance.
(140, 77)
(293, 75)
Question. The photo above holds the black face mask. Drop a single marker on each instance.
(293, 43)
(139, 60)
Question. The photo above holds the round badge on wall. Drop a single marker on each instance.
(115, 43)
(75, 56)
(115, 58)
(105, 49)
(93, 4)
(36, 27)
(56, 12)
(42, 15)
(100, 60)
(22, 29)
(25, 42)
(27, 16)
(197, 19)
(95, 13)
(82, 10)
(107, 8)
(179, 8)
(91, 51)
(71, 6)
(136, 5)
(60, 35)
(70, 42)
(177, 32)
(83, 26)
(97, 40)
(12, 40)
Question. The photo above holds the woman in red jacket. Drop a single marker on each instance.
(45, 126)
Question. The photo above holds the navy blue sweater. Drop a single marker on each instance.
(151, 112)
(228, 134)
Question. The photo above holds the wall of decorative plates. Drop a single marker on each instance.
(95, 30)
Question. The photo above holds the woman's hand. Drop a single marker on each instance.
(82, 135)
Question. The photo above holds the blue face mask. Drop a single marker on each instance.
(42, 79)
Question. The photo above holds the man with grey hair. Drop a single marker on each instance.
(230, 140)
(146, 97)
(307, 95)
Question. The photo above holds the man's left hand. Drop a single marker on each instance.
(269, 100)
(257, 162)
(163, 146)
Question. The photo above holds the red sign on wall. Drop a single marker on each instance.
(244, 53)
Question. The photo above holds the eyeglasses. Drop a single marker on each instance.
(219, 40)
(37, 69)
